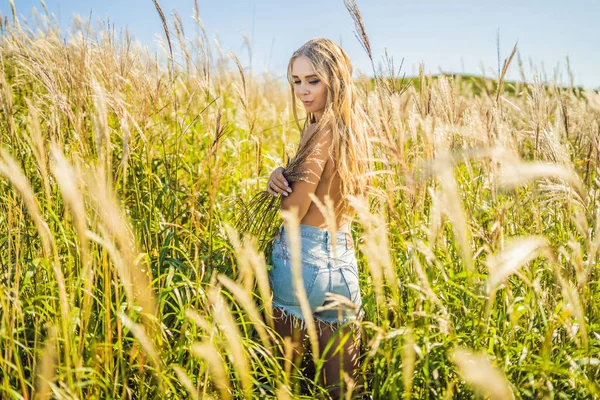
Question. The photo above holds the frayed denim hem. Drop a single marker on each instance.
(298, 321)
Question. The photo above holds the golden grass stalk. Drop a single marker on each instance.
(376, 251)
(283, 392)
(102, 136)
(36, 142)
(408, 363)
(444, 319)
(517, 173)
(435, 216)
(507, 62)
(246, 272)
(198, 320)
(186, 381)
(46, 373)
(573, 304)
(164, 24)
(244, 94)
(292, 230)
(134, 277)
(518, 252)
(455, 213)
(361, 35)
(233, 338)
(478, 371)
(140, 334)
(11, 171)
(180, 32)
(252, 264)
(216, 365)
(247, 303)
(6, 101)
(69, 187)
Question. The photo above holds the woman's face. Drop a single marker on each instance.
(309, 89)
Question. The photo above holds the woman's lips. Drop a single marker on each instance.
(307, 103)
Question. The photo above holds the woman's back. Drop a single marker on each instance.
(329, 184)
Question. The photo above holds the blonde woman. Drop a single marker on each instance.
(332, 159)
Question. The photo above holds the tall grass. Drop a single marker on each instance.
(122, 175)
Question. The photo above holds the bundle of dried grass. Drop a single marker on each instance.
(260, 217)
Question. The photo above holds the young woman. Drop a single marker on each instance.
(336, 138)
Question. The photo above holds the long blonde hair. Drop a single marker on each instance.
(343, 114)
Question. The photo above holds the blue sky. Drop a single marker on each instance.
(449, 36)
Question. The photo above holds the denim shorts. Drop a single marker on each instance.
(321, 273)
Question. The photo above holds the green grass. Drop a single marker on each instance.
(158, 321)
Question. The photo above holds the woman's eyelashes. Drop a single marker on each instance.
(311, 82)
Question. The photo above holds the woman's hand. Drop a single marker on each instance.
(277, 183)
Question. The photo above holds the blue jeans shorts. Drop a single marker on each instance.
(321, 273)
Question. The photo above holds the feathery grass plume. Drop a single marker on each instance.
(372, 248)
(185, 380)
(516, 173)
(6, 102)
(72, 196)
(456, 214)
(140, 334)
(502, 75)
(216, 366)
(203, 45)
(233, 338)
(180, 32)
(424, 103)
(517, 253)
(102, 135)
(292, 230)
(444, 319)
(11, 171)
(112, 221)
(126, 143)
(283, 392)
(47, 367)
(244, 94)
(573, 303)
(435, 216)
(594, 247)
(36, 142)
(165, 25)
(246, 302)
(408, 363)
(361, 35)
(449, 107)
(248, 252)
(443, 168)
(478, 371)
(13, 10)
(246, 272)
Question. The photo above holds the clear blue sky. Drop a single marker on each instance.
(450, 36)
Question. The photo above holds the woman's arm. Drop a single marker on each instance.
(313, 168)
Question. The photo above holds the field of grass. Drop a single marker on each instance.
(120, 276)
